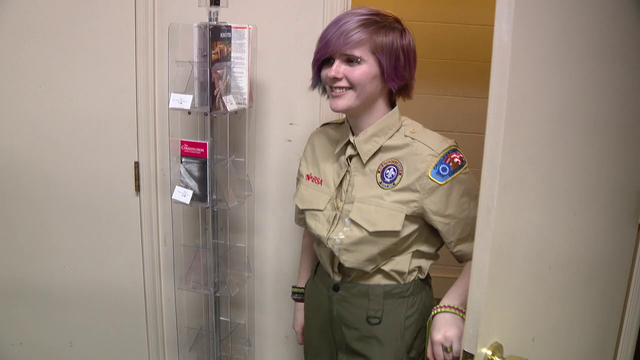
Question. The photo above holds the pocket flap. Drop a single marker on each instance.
(377, 217)
(308, 198)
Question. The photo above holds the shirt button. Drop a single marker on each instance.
(336, 287)
(413, 130)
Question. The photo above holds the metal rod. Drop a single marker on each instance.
(213, 15)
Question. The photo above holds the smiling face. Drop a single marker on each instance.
(355, 85)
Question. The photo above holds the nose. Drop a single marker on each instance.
(335, 71)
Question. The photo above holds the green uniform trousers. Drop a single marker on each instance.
(349, 321)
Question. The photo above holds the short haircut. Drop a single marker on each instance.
(388, 39)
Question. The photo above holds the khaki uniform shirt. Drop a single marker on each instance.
(376, 214)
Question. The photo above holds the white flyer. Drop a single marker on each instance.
(182, 195)
(180, 101)
(240, 59)
(230, 102)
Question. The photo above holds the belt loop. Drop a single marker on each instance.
(376, 303)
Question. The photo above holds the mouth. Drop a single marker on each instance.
(339, 89)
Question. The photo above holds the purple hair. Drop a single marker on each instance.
(388, 39)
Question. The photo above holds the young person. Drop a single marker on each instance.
(377, 195)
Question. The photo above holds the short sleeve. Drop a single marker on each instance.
(451, 208)
(298, 216)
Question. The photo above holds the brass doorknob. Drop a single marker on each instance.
(496, 352)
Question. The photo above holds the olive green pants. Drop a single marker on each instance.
(349, 321)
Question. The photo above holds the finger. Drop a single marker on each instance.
(447, 352)
(300, 336)
(457, 350)
(437, 351)
(430, 350)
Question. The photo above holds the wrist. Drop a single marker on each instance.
(452, 299)
(297, 293)
(448, 308)
(445, 308)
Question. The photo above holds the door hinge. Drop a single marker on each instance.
(136, 176)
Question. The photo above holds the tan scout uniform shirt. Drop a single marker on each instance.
(365, 233)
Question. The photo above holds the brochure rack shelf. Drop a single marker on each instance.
(211, 130)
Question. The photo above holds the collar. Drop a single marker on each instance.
(372, 138)
(344, 134)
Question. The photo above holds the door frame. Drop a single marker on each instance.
(147, 158)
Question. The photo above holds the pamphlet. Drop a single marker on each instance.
(194, 174)
(240, 60)
(220, 36)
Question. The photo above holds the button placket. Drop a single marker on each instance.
(335, 242)
(334, 217)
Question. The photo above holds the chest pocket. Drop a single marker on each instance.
(313, 204)
(375, 217)
(374, 230)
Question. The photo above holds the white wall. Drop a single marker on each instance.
(286, 113)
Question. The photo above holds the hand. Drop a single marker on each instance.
(298, 321)
(446, 330)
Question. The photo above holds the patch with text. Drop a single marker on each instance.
(389, 174)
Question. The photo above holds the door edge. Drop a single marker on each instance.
(147, 156)
(630, 326)
(492, 158)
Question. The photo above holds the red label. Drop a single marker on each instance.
(314, 179)
(194, 148)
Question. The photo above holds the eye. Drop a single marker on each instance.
(328, 62)
(353, 61)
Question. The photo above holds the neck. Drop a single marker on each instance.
(362, 120)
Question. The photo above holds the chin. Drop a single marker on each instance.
(338, 108)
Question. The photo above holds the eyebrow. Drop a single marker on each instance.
(360, 58)
(351, 55)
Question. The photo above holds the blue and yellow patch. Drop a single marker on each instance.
(450, 163)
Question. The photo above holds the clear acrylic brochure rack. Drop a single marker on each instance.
(211, 129)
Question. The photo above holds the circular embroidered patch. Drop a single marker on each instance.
(389, 174)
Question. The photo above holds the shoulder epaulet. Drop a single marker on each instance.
(429, 138)
(449, 159)
(336, 121)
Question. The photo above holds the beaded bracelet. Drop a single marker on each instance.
(444, 308)
(297, 293)
(448, 308)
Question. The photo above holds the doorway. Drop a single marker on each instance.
(454, 44)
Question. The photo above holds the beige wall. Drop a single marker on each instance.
(453, 39)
